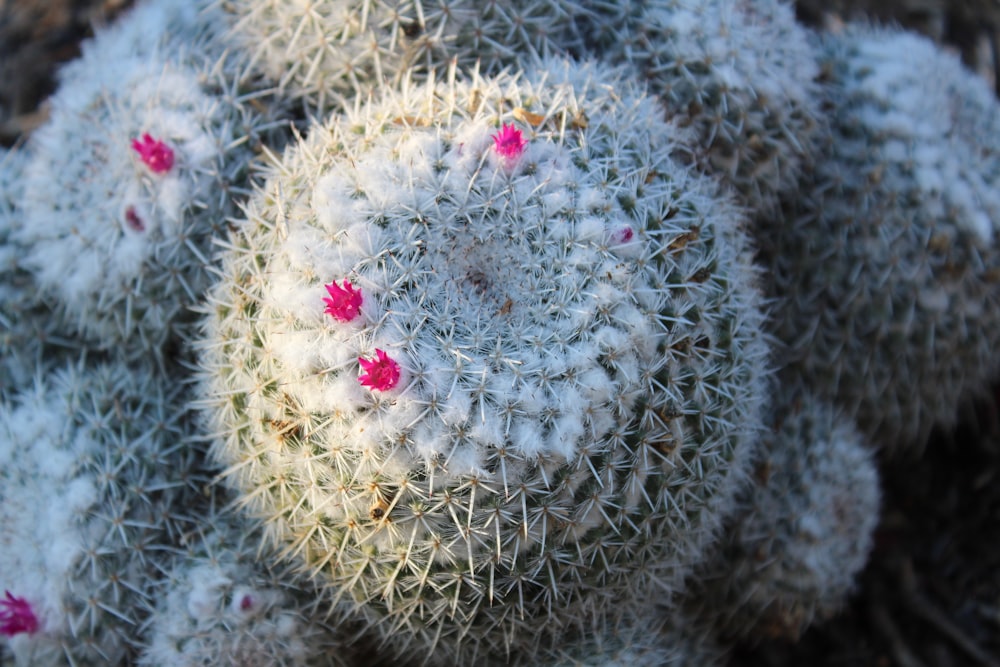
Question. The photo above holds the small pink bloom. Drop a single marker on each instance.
(133, 220)
(381, 373)
(246, 603)
(154, 153)
(16, 616)
(623, 235)
(344, 302)
(509, 142)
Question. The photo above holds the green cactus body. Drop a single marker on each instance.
(741, 73)
(329, 50)
(538, 372)
(92, 484)
(885, 268)
(804, 532)
(220, 604)
(146, 148)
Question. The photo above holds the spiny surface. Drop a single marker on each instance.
(651, 640)
(328, 50)
(578, 338)
(28, 332)
(740, 72)
(222, 604)
(92, 485)
(886, 267)
(793, 551)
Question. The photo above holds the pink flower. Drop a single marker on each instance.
(623, 235)
(16, 616)
(154, 153)
(509, 142)
(381, 373)
(133, 220)
(344, 302)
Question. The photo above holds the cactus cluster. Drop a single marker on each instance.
(540, 348)
(471, 334)
(886, 265)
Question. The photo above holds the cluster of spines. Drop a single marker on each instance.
(793, 551)
(94, 483)
(330, 52)
(221, 603)
(740, 73)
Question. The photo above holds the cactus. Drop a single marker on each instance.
(30, 339)
(329, 51)
(146, 147)
(794, 549)
(220, 604)
(886, 268)
(741, 73)
(651, 642)
(487, 360)
(92, 485)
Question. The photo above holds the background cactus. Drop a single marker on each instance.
(653, 642)
(558, 342)
(885, 266)
(222, 604)
(93, 483)
(143, 156)
(791, 554)
(330, 51)
(28, 333)
(741, 73)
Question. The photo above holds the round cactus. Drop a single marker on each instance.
(92, 483)
(325, 50)
(137, 166)
(741, 73)
(487, 360)
(221, 605)
(886, 267)
(804, 532)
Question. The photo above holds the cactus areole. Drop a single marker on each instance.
(558, 358)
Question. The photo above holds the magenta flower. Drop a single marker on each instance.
(623, 235)
(381, 373)
(16, 616)
(509, 142)
(344, 302)
(154, 153)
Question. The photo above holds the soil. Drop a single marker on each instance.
(930, 596)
